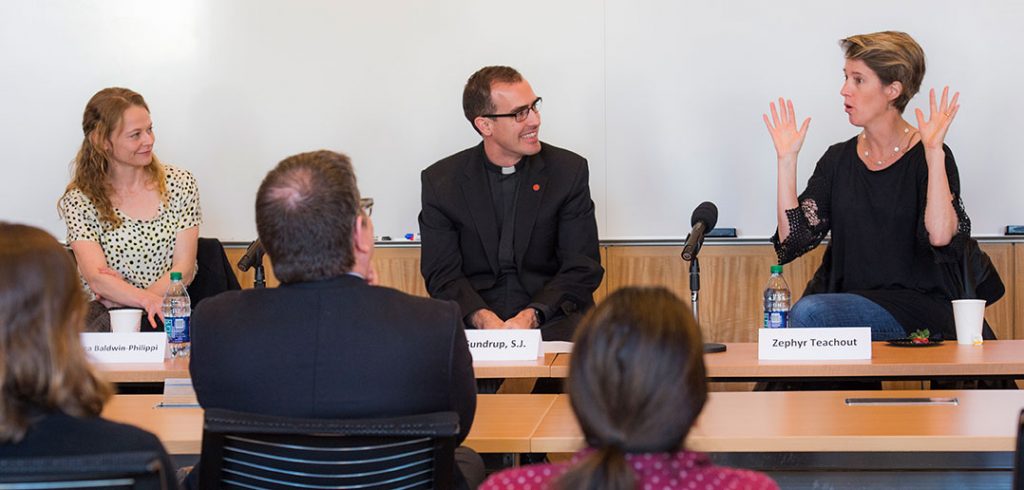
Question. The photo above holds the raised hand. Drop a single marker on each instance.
(933, 131)
(782, 127)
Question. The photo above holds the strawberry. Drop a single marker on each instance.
(920, 336)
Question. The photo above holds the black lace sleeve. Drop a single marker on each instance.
(810, 222)
(955, 249)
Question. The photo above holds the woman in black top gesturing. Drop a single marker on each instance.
(890, 196)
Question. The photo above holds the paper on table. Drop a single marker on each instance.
(556, 347)
(178, 392)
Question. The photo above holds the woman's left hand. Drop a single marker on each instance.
(933, 131)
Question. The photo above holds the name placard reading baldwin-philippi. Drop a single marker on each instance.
(125, 347)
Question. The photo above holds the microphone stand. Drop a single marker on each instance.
(261, 279)
(709, 347)
(695, 287)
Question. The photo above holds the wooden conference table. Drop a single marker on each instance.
(993, 359)
(949, 360)
(982, 421)
(123, 373)
(816, 440)
(503, 423)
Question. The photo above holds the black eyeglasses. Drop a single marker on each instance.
(366, 204)
(521, 114)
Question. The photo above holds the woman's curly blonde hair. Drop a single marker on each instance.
(103, 115)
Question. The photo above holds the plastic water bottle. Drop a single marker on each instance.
(776, 300)
(177, 309)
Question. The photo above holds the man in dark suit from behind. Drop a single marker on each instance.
(327, 343)
(508, 225)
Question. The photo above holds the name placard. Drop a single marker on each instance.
(125, 347)
(504, 345)
(820, 344)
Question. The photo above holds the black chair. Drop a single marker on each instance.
(259, 451)
(141, 470)
(1018, 460)
(215, 274)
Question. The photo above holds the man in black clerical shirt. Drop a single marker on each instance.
(508, 225)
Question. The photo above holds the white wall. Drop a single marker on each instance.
(663, 97)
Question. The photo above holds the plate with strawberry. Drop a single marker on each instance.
(918, 338)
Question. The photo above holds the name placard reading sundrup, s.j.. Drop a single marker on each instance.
(504, 345)
(822, 344)
(125, 347)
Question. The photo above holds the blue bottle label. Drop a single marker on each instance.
(775, 319)
(177, 329)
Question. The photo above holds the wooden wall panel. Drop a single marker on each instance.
(602, 289)
(399, 268)
(1001, 315)
(732, 280)
(1017, 279)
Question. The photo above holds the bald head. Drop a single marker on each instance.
(306, 210)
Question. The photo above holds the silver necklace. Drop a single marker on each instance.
(896, 150)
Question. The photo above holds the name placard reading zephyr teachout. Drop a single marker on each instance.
(125, 347)
(819, 344)
(504, 345)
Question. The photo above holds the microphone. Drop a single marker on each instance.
(703, 220)
(252, 255)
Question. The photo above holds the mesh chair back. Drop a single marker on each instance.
(257, 451)
(138, 470)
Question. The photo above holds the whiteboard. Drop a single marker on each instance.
(664, 98)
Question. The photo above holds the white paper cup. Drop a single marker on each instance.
(969, 315)
(125, 320)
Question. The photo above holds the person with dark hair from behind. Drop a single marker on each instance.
(634, 421)
(328, 343)
(50, 397)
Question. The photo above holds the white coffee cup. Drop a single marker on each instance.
(969, 315)
(125, 320)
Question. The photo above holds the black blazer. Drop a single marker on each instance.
(58, 434)
(338, 348)
(556, 245)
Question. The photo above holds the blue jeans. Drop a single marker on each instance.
(845, 310)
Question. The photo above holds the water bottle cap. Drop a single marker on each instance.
(776, 269)
(175, 276)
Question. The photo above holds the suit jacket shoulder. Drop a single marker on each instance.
(551, 152)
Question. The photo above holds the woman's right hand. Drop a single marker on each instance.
(782, 128)
(153, 304)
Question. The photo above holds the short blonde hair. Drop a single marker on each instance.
(893, 56)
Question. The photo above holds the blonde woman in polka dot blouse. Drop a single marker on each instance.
(131, 220)
(636, 382)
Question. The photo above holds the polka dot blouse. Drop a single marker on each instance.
(141, 250)
(657, 471)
